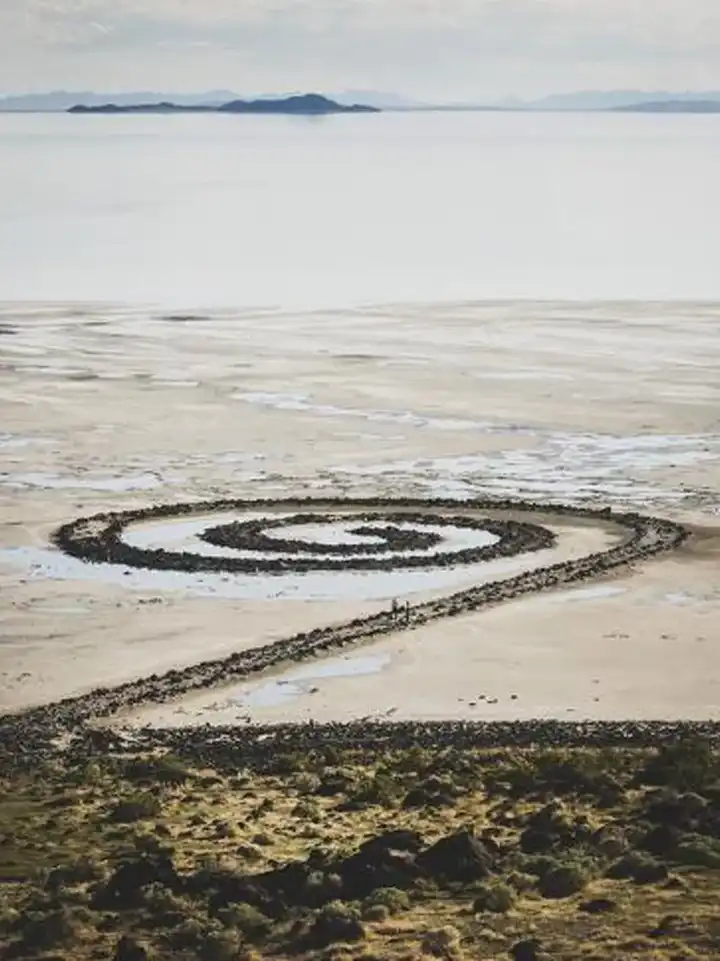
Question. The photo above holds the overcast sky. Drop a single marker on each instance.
(465, 49)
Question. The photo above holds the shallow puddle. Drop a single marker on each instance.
(587, 593)
(298, 682)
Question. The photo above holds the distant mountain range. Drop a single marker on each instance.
(672, 106)
(61, 100)
(610, 99)
(584, 100)
(309, 104)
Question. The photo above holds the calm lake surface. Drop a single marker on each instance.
(279, 211)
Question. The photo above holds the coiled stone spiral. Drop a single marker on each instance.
(280, 537)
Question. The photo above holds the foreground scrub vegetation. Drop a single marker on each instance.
(524, 854)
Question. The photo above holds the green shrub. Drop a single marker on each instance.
(306, 783)
(143, 842)
(306, 810)
(9, 918)
(337, 922)
(187, 935)
(379, 790)
(220, 946)
(82, 871)
(559, 772)
(610, 841)
(689, 765)
(289, 763)
(393, 899)
(336, 781)
(165, 770)
(699, 852)
(244, 918)
(639, 867)
(443, 943)
(339, 908)
(375, 913)
(136, 807)
(88, 773)
(41, 932)
(415, 760)
(521, 881)
(224, 829)
(540, 865)
(494, 897)
(563, 881)
(163, 908)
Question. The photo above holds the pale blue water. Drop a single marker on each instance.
(279, 211)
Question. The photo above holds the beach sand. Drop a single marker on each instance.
(613, 404)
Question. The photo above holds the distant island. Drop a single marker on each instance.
(354, 101)
(309, 104)
(671, 106)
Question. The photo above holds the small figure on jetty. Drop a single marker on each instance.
(407, 612)
(395, 609)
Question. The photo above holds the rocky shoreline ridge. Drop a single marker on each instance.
(67, 726)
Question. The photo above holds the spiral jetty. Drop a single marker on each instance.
(34, 735)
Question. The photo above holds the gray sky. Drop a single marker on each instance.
(428, 48)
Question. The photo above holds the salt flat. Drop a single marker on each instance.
(107, 407)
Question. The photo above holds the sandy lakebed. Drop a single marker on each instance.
(111, 408)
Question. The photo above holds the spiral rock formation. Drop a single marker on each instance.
(389, 539)
(401, 531)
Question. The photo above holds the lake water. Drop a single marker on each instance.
(279, 211)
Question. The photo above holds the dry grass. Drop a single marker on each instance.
(60, 841)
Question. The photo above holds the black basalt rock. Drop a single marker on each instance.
(386, 861)
(124, 887)
(128, 949)
(528, 950)
(461, 857)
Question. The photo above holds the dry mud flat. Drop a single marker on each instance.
(115, 409)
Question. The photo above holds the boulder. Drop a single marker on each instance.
(124, 887)
(682, 811)
(610, 840)
(549, 828)
(128, 949)
(662, 840)
(598, 906)
(459, 857)
(537, 841)
(384, 862)
(528, 950)
(421, 797)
